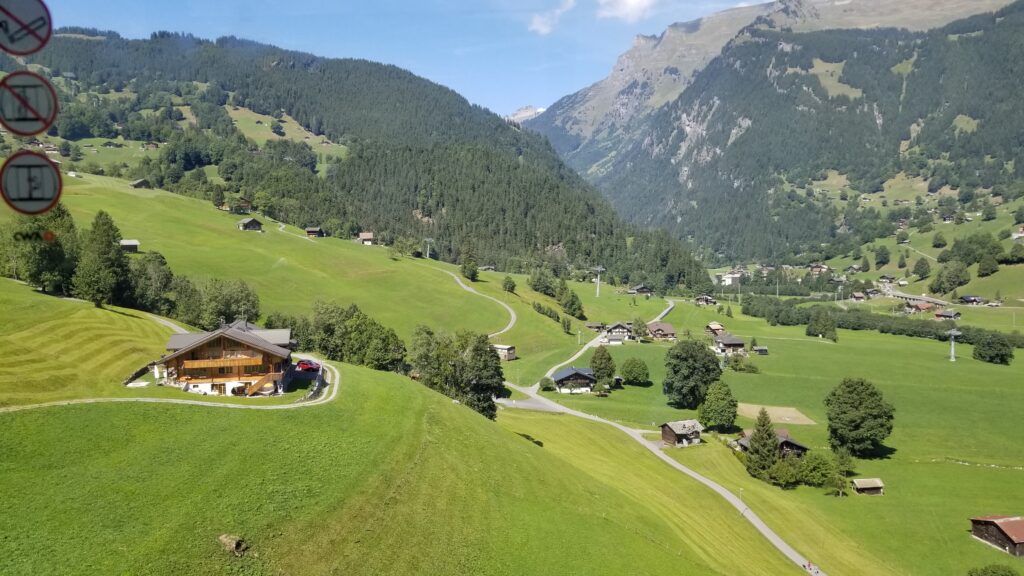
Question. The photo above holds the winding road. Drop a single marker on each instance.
(538, 402)
(534, 402)
(513, 318)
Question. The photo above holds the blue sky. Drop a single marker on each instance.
(501, 54)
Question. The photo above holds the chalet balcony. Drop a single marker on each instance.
(227, 361)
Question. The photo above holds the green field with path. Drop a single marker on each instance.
(388, 478)
(950, 460)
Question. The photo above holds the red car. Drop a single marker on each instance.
(308, 366)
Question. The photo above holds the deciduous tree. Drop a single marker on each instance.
(691, 368)
(859, 418)
(718, 412)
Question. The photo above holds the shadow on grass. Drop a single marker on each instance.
(531, 439)
(883, 452)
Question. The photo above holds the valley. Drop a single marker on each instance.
(297, 314)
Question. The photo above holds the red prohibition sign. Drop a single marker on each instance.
(28, 103)
(30, 183)
(25, 26)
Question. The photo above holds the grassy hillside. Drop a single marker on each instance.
(288, 271)
(55, 349)
(52, 349)
(356, 486)
(257, 127)
(950, 455)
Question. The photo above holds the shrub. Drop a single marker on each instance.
(547, 385)
(994, 348)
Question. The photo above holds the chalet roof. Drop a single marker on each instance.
(947, 313)
(858, 294)
(130, 243)
(781, 436)
(503, 346)
(366, 235)
(661, 326)
(247, 338)
(727, 339)
(867, 483)
(573, 371)
(1012, 526)
(685, 426)
(314, 229)
(621, 325)
(249, 220)
(277, 336)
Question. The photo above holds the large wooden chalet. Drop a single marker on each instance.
(574, 380)
(661, 330)
(239, 359)
(1003, 532)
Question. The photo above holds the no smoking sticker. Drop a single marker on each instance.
(30, 183)
(28, 103)
(25, 26)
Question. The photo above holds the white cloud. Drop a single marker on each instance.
(628, 10)
(544, 22)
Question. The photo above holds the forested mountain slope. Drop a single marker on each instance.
(778, 109)
(587, 127)
(422, 162)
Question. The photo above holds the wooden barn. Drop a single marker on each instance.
(869, 486)
(315, 232)
(250, 225)
(506, 352)
(130, 246)
(681, 433)
(1003, 532)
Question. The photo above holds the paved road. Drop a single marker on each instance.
(173, 326)
(280, 228)
(538, 402)
(333, 380)
(512, 313)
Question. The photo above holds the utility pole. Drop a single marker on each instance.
(599, 269)
(952, 343)
(428, 242)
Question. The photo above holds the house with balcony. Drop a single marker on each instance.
(237, 359)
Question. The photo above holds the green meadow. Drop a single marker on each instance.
(388, 478)
(289, 271)
(951, 454)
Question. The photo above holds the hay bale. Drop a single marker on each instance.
(233, 544)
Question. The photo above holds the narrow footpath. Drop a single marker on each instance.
(513, 318)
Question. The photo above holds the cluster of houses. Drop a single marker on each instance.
(726, 344)
(621, 332)
(251, 224)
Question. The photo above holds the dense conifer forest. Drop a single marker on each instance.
(422, 161)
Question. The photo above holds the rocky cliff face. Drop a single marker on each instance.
(588, 127)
